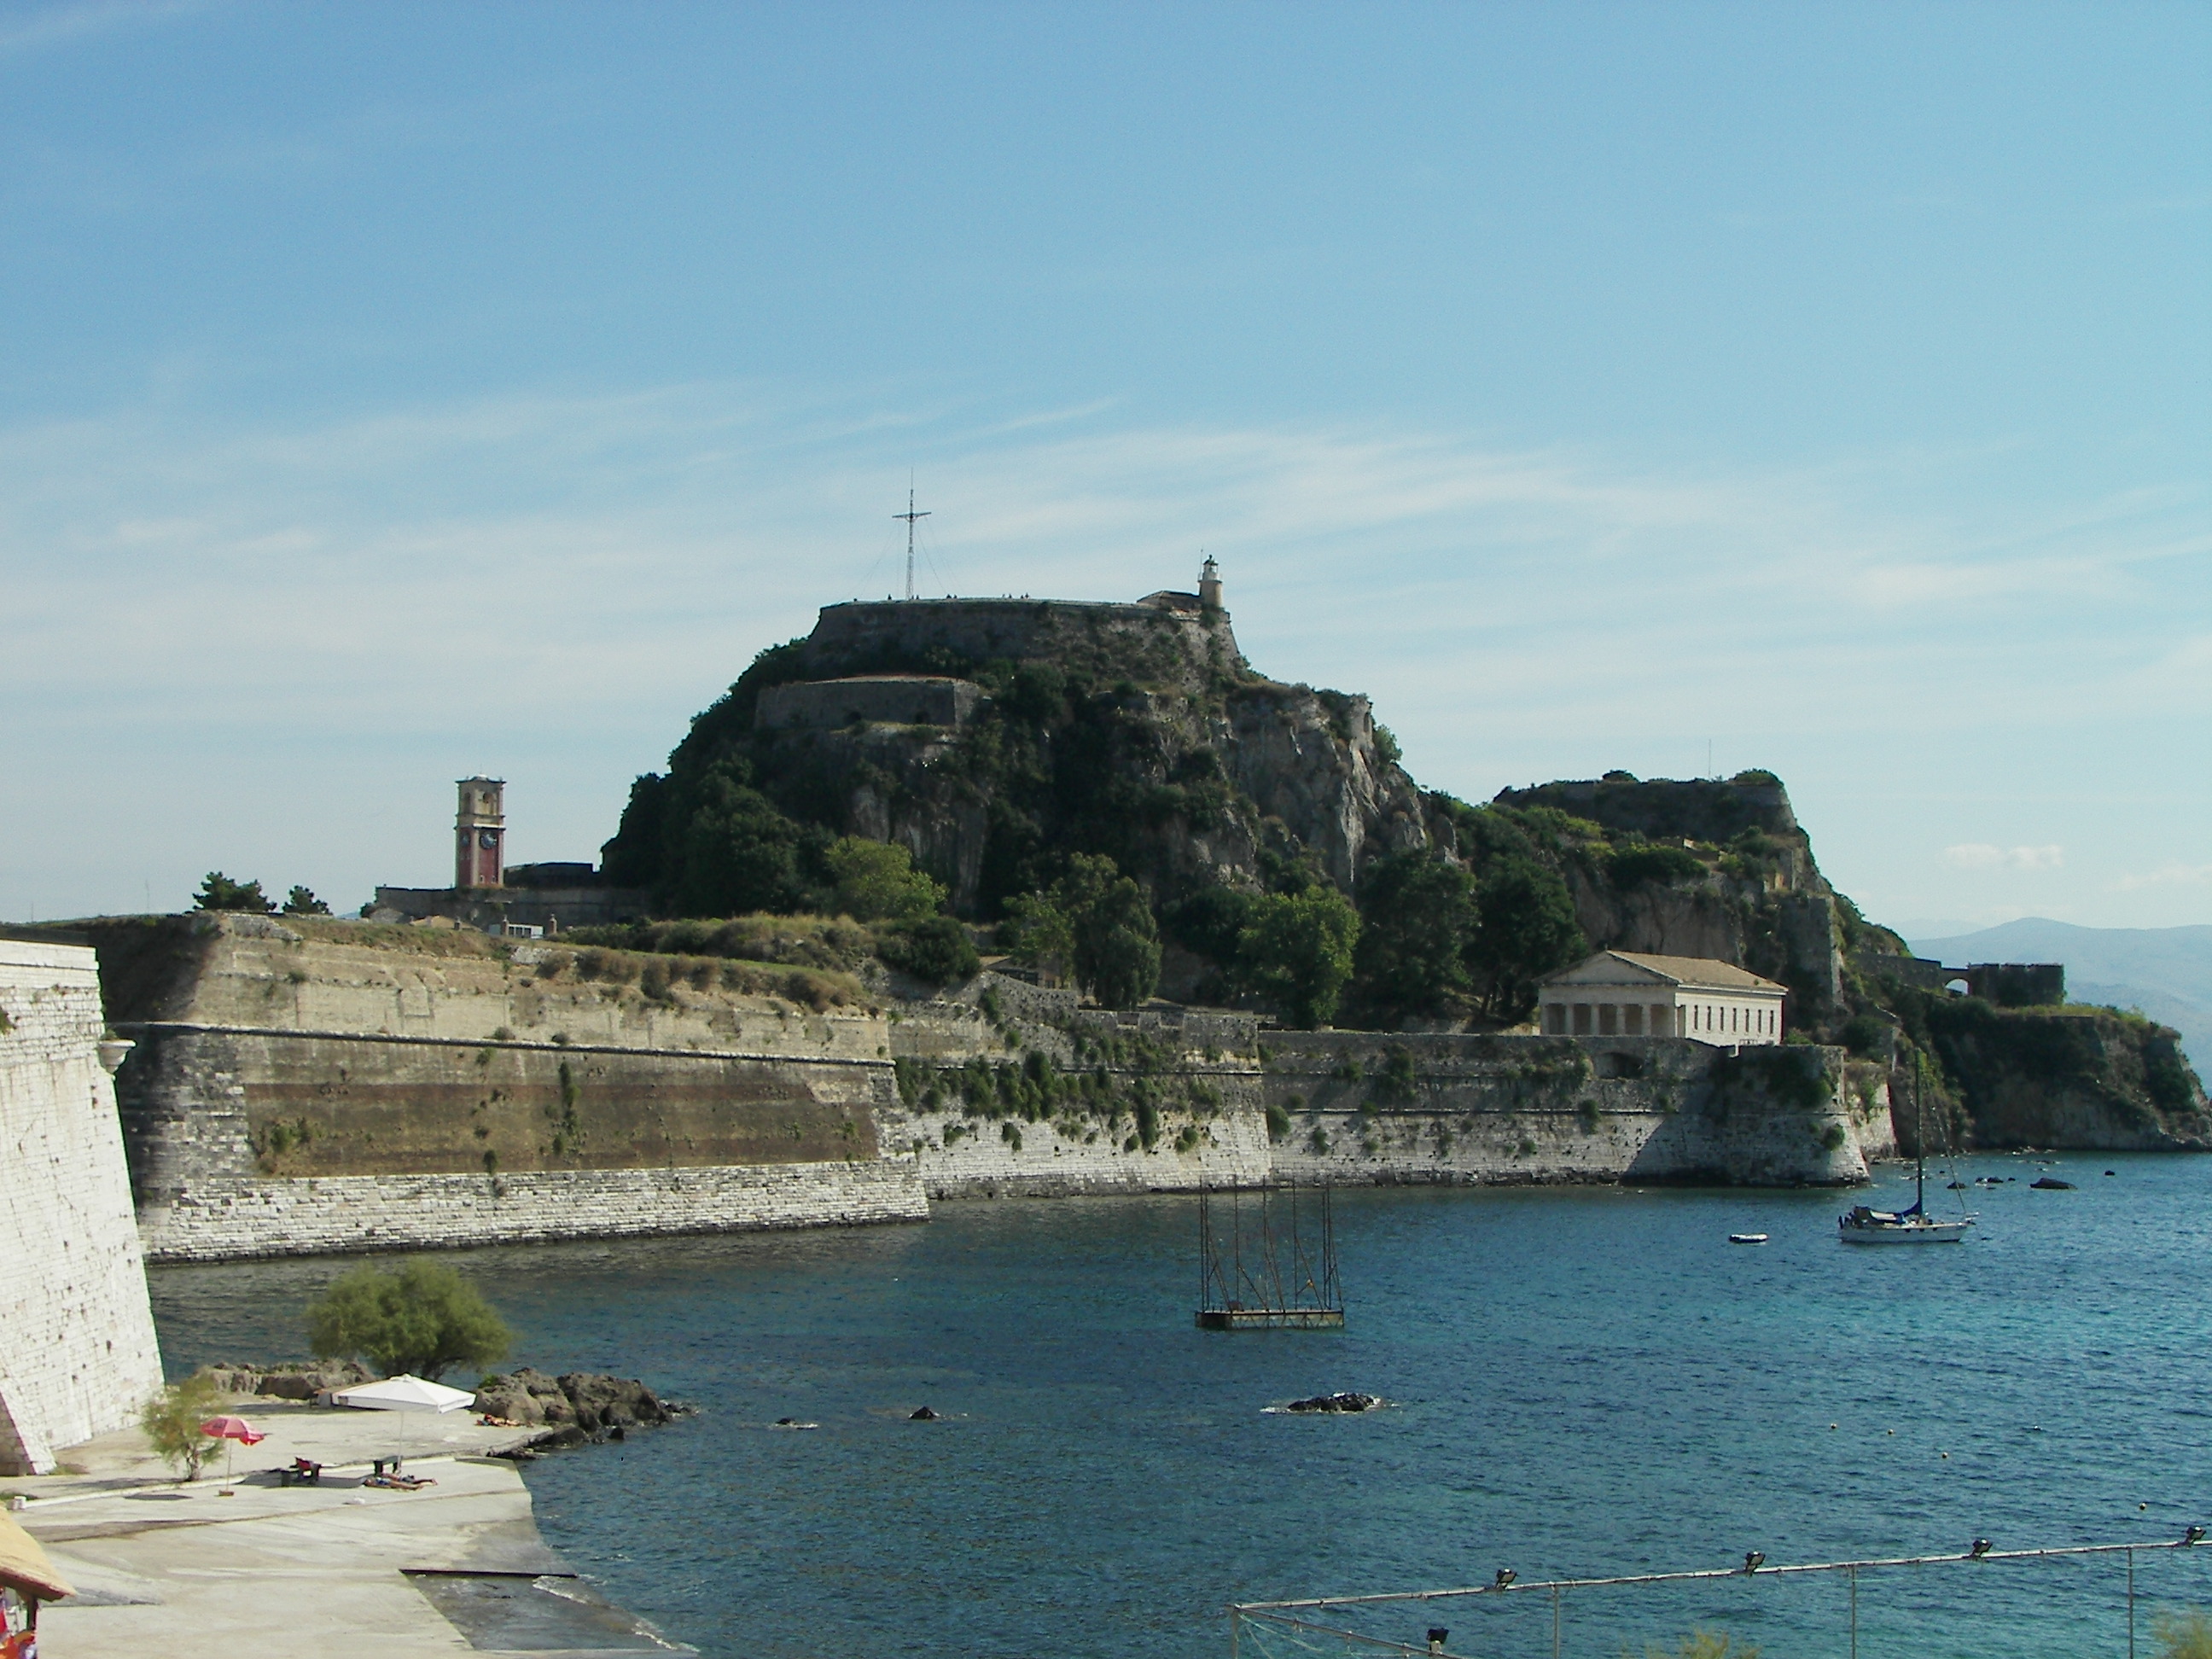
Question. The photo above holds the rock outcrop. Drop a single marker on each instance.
(1138, 731)
(575, 1406)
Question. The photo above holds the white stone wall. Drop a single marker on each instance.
(1075, 1155)
(77, 1355)
(229, 1219)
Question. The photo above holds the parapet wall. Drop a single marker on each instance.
(77, 1353)
(229, 1219)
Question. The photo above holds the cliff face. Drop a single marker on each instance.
(2086, 1078)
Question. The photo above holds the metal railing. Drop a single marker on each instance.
(1285, 1616)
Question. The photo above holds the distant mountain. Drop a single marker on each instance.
(2165, 971)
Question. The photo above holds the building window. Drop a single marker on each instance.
(1582, 1019)
(1632, 1020)
(1659, 1019)
(1608, 1020)
(1555, 1018)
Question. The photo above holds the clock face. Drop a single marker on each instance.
(487, 840)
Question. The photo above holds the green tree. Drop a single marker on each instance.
(1299, 948)
(302, 902)
(420, 1319)
(171, 1421)
(220, 892)
(1116, 942)
(1525, 927)
(737, 854)
(1417, 915)
(1038, 933)
(876, 881)
(935, 949)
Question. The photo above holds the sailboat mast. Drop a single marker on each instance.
(1919, 1133)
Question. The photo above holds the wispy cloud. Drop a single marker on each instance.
(2174, 874)
(37, 27)
(1980, 855)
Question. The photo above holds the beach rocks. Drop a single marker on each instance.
(1337, 1402)
(588, 1402)
(295, 1379)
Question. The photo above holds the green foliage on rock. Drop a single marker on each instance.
(219, 892)
(421, 1319)
(171, 1422)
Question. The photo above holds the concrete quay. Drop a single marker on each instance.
(334, 1568)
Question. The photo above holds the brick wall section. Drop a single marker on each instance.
(224, 1220)
(77, 1354)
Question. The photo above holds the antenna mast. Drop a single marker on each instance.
(910, 515)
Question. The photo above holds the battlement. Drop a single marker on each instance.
(896, 699)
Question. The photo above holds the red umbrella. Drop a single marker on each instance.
(232, 1428)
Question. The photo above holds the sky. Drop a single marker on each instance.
(392, 394)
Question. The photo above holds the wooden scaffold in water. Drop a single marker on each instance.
(1270, 1264)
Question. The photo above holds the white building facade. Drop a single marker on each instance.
(1627, 994)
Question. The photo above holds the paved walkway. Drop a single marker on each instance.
(336, 1569)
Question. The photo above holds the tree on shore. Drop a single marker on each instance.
(421, 1319)
(1297, 948)
(171, 1421)
(302, 902)
(220, 892)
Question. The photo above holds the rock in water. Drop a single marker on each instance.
(1337, 1402)
(921, 1414)
(2052, 1184)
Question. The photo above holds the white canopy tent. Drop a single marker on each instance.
(405, 1394)
(414, 1396)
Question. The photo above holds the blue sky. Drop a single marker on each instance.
(393, 393)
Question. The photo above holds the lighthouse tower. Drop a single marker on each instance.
(480, 834)
(1209, 585)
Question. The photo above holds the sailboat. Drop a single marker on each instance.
(1865, 1225)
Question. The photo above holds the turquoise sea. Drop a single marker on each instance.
(1584, 1382)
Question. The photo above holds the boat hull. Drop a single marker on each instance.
(1934, 1232)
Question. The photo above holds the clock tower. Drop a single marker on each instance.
(480, 834)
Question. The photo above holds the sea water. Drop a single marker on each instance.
(1582, 1381)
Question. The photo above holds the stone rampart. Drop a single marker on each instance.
(228, 1220)
(1162, 646)
(1041, 1097)
(478, 1097)
(894, 699)
(77, 1353)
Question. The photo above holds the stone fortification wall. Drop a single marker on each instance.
(1163, 646)
(77, 1354)
(228, 1220)
(1353, 1107)
(255, 973)
(322, 1087)
(1021, 1093)
(896, 699)
(252, 1130)
(1014, 1091)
